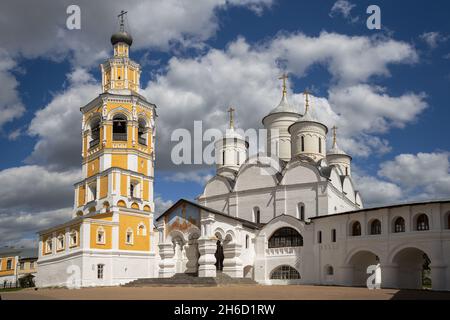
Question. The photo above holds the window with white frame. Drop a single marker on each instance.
(101, 235)
(73, 238)
(60, 242)
(92, 191)
(141, 231)
(129, 236)
(48, 246)
(9, 264)
(135, 191)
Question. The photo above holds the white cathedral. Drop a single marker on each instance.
(292, 218)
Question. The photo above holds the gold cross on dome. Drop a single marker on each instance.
(284, 77)
(334, 135)
(231, 111)
(306, 93)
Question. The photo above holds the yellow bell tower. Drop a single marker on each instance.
(118, 130)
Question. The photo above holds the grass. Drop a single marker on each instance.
(9, 289)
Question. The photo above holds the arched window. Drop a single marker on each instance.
(333, 235)
(120, 128)
(285, 237)
(141, 231)
(95, 132)
(247, 240)
(422, 223)
(329, 271)
(346, 171)
(48, 246)
(284, 273)
(60, 242)
(223, 157)
(399, 225)
(375, 227)
(303, 143)
(256, 215)
(142, 132)
(319, 236)
(301, 211)
(92, 191)
(356, 229)
(320, 145)
(73, 238)
(101, 235)
(129, 236)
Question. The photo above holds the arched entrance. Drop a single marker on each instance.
(359, 263)
(413, 271)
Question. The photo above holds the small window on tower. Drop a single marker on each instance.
(320, 145)
(142, 132)
(303, 143)
(134, 189)
(92, 191)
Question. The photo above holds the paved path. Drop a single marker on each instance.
(292, 292)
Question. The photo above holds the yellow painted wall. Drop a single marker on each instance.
(103, 186)
(81, 195)
(123, 185)
(108, 235)
(93, 167)
(142, 165)
(3, 270)
(141, 243)
(103, 216)
(145, 190)
(120, 161)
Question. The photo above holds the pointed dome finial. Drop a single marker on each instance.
(284, 77)
(231, 111)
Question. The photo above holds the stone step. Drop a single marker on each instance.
(190, 279)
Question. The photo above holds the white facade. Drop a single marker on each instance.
(299, 219)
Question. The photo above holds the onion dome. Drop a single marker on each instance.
(121, 36)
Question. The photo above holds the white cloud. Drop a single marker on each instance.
(376, 192)
(34, 187)
(198, 176)
(58, 125)
(159, 24)
(245, 76)
(425, 173)
(343, 8)
(11, 106)
(161, 205)
(433, 38)
(18, 228)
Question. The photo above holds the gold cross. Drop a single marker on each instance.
(334, 135)
(231, 110)
(284, 77)
(306, 93)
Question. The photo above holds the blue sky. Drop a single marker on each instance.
(234, 52)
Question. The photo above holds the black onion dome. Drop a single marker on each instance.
(121, 36)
